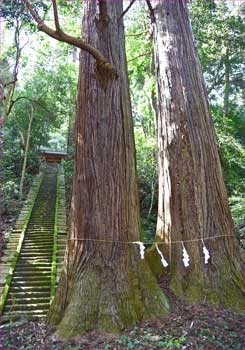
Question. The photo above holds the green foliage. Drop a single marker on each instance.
(231, 151)
(148, 222)
(147, 165)
(140, 68)
(131, 343)
(237, 211)
(148, 181)
(229, 136)
(49, 85)
(14, 11)
(218, 29)
(69, 172)
(142, 86)
(134, 341)
(11, 163)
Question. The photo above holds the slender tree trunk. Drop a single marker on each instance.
(6, 99)
(104, 285)
(227, 83)
(27, 144)
(193, 200)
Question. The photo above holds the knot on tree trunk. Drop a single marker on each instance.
(105, 74)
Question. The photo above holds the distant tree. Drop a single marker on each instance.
(193, 200)
(8, 81)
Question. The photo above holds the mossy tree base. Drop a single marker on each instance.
(220, 286)
(219, 283)
(108, 298)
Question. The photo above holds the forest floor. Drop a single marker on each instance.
(189, 327)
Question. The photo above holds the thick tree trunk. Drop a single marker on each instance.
(192, 196)
(104, 285)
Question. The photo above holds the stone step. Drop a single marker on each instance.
(33, 263)
(11, 246)
(38, 240)
(36, 246)
(45, 233)
(23, 278)
(45, 222)
(27, 307)
(7, 259)
(29, 295)
(13, 238)
(36, 230)
(33, 269)
(29, 289)
(25, 300)
(37, 255)
(35, 260)
(9, 252)
(45, 225)
(32, 272)
(15, 241)
(37, 249)
(38, 236)
(32, 259)
(16, 315)
(28, 283)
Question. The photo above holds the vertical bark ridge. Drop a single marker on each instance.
(108, 286)
(193, 200)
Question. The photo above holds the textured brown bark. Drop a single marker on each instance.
(104, 285)
(192, 196)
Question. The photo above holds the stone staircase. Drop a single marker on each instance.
(29, 292)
